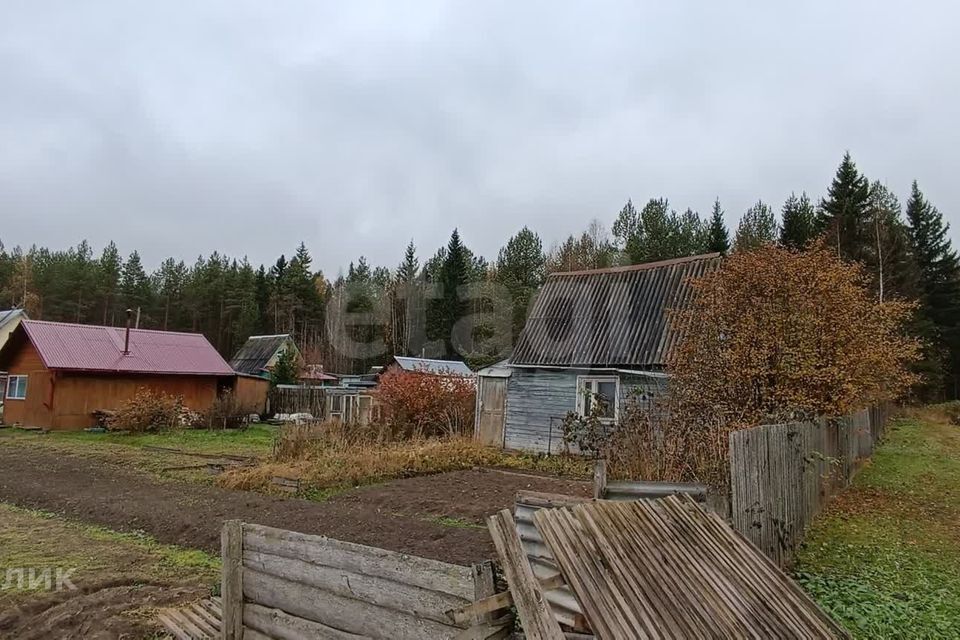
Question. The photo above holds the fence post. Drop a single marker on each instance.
(483, 586)
(600, 479)
(231, 585)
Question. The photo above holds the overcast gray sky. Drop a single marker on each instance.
(181, 127)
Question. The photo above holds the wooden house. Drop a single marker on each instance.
(593, 339)
(60, 374)
(259, 354)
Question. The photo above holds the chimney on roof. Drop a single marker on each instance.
(126, 340)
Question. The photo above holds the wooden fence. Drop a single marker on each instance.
(782, 475)
(282, 584)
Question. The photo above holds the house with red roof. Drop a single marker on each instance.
(59, 374)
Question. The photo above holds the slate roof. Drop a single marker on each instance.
(609, 318)
(80, 347)
(437, 367)
(9, 314)
(253, 356)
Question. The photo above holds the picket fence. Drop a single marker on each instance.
(782, 475)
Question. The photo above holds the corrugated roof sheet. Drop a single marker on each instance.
(437, 367)
(256, 352)
(92, 348)
(9, 314)
(609, 317)
(668, 568)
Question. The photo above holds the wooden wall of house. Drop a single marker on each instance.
(251, 392)
(539, 399)
(76, 396)
(35, 410)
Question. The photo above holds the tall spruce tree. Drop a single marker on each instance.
(449, 307)
(798, 226)
(843, 214)
(718, 238)
(939, 279)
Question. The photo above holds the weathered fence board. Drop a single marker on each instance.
(782, 475)
(294, 585)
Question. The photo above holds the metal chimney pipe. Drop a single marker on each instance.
(126, 341)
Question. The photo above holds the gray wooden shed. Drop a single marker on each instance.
(600, 335)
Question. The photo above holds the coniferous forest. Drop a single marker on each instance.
(457, 304)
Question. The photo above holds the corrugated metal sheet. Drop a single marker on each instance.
(668, 568)
(609, 317)
(437, 367)
(256, 352)
(82, 347)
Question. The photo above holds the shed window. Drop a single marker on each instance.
(598, 394)
(16, 387)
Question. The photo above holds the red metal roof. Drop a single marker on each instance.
(81, 347)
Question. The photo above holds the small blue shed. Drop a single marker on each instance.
(591, 335)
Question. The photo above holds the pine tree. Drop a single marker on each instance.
(108, 281)
(521, 268)
(843, 215)
(135, 286)
(758, 227)
(799, 222)
(939, 279)
(286, 369)
(718, 238)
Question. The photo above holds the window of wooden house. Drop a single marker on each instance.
(599, 393)
(16, 388)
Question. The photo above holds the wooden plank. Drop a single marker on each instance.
(538, 621)
(384, 593)
(280, 625)
(379, 563)
(338, 612)
(498, 601)
(171, 624)
(487, 631)
(484, 586)
(599, 479)
(231, 589)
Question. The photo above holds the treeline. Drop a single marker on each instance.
(458, 304)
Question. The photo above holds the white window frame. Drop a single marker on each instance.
(582, 389)
(9, 395)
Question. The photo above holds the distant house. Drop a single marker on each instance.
(259, 354)
(59, 373)
(429, 366)
(593, 338)
(9, 320)
(313, 375)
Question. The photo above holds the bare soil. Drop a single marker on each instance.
(440, 516)
(400, 515)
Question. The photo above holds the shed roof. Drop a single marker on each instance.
(6, 315)
(609, 317)
(257, 351)
(80, 347)
(436, 367)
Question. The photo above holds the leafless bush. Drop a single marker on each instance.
(147, 411)
(226, 412)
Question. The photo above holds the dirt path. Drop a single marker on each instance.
(404, 515)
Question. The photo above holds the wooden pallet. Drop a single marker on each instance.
(197, 621)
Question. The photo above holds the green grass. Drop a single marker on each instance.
(39, 540)
(255, 440)
(884, 559)
(456, 523)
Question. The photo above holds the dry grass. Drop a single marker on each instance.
(330, 456)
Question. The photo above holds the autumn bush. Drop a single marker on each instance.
(332, 455)
(148, 411)
(773, 335)
(226, 412)
(418, 405)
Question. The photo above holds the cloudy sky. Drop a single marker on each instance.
(181, 127)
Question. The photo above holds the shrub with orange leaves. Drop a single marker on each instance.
(776, 334)
(419, 404)
(772, 336)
